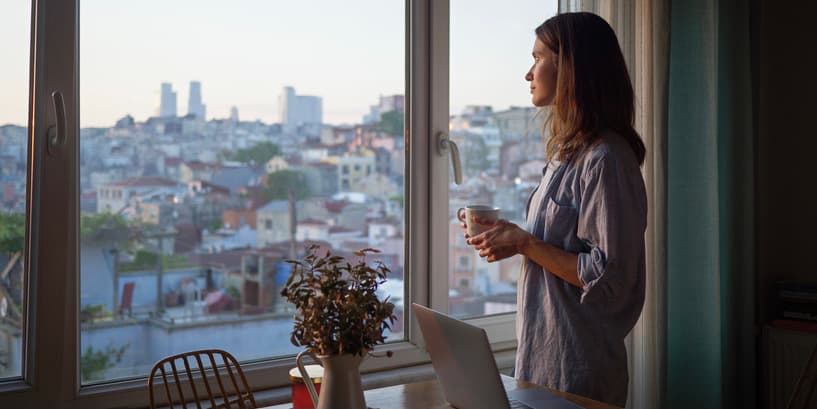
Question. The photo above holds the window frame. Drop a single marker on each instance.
(51, 344)
(51, 294)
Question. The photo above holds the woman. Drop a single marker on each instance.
(581, 287)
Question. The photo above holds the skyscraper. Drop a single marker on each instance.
(297, 110)
(194, 105)
(167, 103)
(234, 115)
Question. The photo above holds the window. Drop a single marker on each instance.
(464, 262)
(137, 267)
(15, 31)
(498, 132)
(162, 110)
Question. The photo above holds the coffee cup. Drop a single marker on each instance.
(300, 393)
(470, 213)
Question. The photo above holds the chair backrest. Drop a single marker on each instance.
(127, 299)
(804, 396)
(204, 379)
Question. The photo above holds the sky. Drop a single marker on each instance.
(347, 52)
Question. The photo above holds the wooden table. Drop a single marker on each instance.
(429, 395)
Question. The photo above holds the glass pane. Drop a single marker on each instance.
(499, 134)
(15, 30)
(198, 118)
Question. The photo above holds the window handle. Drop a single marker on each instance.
(57, 134)
(444, 145)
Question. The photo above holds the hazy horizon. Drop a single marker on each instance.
(245, 54)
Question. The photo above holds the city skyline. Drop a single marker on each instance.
(221, 50)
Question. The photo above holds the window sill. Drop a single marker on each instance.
(12, 386)
(505, 360)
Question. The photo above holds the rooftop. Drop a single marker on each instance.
(145, 182)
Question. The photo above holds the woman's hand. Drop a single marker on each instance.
(504, 239)
(465, 230)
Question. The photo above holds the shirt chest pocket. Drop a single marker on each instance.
(560, 225)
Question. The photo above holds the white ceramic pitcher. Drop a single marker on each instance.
(340, 386)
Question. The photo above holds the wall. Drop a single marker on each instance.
(786, 149)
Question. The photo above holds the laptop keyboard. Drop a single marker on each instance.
(515, 404)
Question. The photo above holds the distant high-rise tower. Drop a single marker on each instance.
(194, 105)
(299, 110)
(234, 115)
(167, 103)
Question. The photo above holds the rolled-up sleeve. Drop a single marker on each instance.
(612, 220)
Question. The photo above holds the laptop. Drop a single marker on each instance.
(465, 366)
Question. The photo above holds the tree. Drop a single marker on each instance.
(258, 154)
(12, 235)
(398, 199)
(104, 228)
(12, 232)
(94, 363)
(279, 184)
(391, 122)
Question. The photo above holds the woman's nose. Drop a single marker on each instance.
(529, 76)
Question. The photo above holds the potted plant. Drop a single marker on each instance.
(339, 318)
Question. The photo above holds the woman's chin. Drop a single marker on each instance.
(539, 103)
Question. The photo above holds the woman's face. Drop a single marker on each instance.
(542, 75)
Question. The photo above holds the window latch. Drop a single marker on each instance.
(445, 144)
(57, 134)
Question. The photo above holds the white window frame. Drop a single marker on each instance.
(51, 373)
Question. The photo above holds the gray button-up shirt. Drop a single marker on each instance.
(572, 339)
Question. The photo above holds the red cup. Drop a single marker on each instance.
(300, 394)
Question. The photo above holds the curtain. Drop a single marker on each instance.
(710, 343)
(650, 80)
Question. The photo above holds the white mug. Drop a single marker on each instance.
(468, 213)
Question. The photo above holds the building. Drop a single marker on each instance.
(197, 170)
(194, 105)
(170, 166)
(322, 177)
(378, 186)
(114, 197)
(478, 138)
(312, 229)
(335, 135)
(384, 228)
(167, 102)
(386, 104)
(352, 169)
(273, 219)
(236, 177)
(299, 110)
(518, 123)
(237, 218)
(125, 122)
(157, 212)
(275, 164)
(346, 214)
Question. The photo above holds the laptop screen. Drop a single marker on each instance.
(462, 358)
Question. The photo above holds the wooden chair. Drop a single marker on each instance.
(196, 372)
(804, 396)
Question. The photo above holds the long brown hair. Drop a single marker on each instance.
(593, 88)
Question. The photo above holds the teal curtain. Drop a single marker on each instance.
(710, 195)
